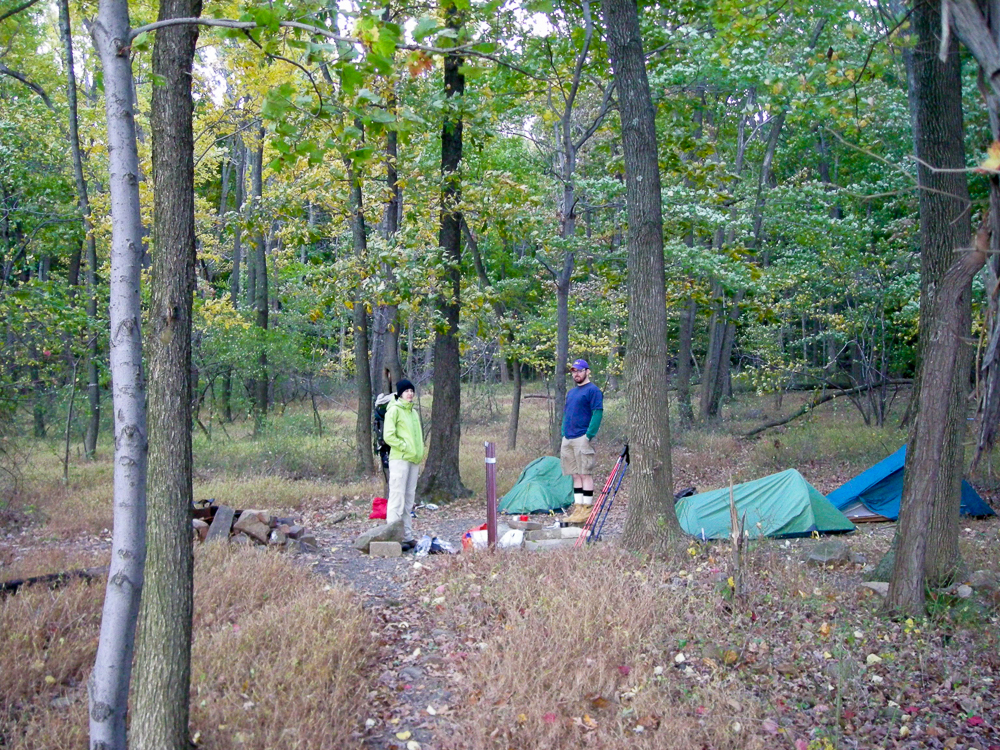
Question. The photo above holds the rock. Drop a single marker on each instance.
(292, 531)
(827, 553)
(200, 528)
(964, 591)
(277, 537)
(241, 540)
(984, 579)
(308, 543)
(385, 549)
(221, 524)
(388, 532)
(251, 525)
(264, 517)
(411, 674)
(879, 587)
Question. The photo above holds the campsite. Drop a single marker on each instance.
(499, 374)
(519, 649)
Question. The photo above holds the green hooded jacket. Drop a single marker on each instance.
(402, 432)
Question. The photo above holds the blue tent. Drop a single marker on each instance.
(874, 495)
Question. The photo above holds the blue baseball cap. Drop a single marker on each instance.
(580, 364)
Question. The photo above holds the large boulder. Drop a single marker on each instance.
(389, 532)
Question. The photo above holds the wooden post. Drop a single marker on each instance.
(491, 494)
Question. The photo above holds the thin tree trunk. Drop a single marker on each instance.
(650, 520)
(686, 336)
(441, 480)
(109, 681)
(83, 203)
(515, 406)
(163, 655)
(260, 302)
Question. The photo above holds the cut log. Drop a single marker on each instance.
(53, 579)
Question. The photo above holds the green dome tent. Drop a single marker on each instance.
(779, 505)
(542, 487)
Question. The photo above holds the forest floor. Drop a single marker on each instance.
(594, 648)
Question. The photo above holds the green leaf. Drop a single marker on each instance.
(141, 41)
(425, 27)
(350, 78)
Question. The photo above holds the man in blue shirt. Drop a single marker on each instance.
(581, 421)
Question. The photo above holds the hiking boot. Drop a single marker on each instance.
(580, 513)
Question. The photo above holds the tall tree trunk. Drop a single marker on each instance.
(651, 519)
(925, 457)
(563, 282)
(83, 203)
(441, 480)
(392, 370)
(364, 462)
(163, 656)
(686, 337)
(109, 681)
(515, 406)
(938, 137)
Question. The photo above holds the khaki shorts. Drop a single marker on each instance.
(576, 456)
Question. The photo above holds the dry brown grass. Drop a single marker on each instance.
(280, 660)
(569, 649)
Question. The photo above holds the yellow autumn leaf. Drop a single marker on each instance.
(824, 629)
(993, 158)
(403, 735)
(729, 658)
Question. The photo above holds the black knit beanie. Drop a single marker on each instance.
(402, 386)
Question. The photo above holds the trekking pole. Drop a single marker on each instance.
(614, 494)
(588, 525)
(602, 499)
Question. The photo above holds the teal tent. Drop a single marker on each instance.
(780, 505)
(542, 487)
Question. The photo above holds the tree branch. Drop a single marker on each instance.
(18, 9)
(29, 83)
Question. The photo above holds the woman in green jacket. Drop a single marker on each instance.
(402, 433)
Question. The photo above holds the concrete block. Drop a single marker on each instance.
(524, 525)
(566, 532)
(547, 544)
(385, 549)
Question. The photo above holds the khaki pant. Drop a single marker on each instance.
(576, 456)
(402, 489)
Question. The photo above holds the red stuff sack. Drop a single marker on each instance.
(379, 506)
(474, 538)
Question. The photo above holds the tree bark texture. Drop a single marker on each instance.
(928, 443)
(938, 136)
(651, 519)
(163, 655)
(83, 203)
(441, 480)
(364, 462)
(109, 681)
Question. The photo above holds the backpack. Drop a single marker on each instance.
(381, 407)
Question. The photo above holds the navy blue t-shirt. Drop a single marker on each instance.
(581, 403)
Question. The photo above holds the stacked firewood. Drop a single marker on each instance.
(216, 522)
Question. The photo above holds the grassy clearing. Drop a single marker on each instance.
(609, 650)
(280, 660)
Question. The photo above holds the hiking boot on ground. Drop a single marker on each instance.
(580, 513)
